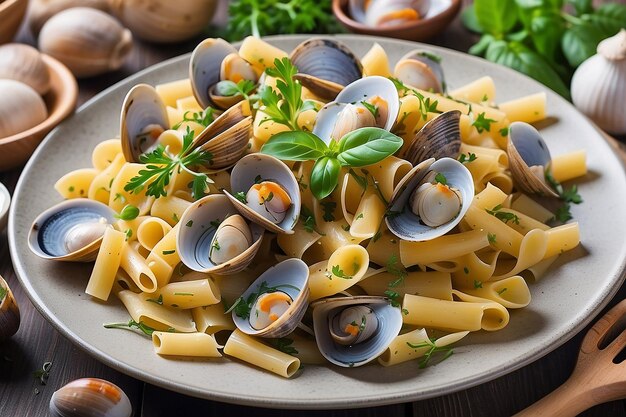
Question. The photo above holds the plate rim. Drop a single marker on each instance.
(400, 396)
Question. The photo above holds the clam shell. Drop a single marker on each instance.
(49, 230)
(9, 313)
(23, 63)
(142, 107)
(245, 174)
(389, 325)
(526, 148)
(358, 91)
(205, 66)
(196, 232)
(325, 66)
(90, 397)
(292, 272)
(439, 138)
(407, 225)
(418, 69)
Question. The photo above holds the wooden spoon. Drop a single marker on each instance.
(596, 378)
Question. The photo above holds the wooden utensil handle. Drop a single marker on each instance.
(570, 399)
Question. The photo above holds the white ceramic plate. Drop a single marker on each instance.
(578, 285)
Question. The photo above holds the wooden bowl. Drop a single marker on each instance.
(419, 30)
(60, 101)
(11, 15)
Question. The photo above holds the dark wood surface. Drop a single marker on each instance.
(36, 342)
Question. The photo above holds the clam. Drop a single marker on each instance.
(212, 62)
(529, 159)
(214, 238)
(367, 102)
(71, 230)
(325, 66)
(430, 200)
(439, 138)
(22, 97)
(266, 192)
(279, 298)
(24, 63)
(142, 120)
(352, 331)
(90, 397)
(388, 12)
(9, 312)
(421, 69)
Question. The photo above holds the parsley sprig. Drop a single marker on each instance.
(482, 123)
(160, 166)
(284, 344)
(395, 268)
(205, 117)
(426, 104)
(503, 216)
(569, 196)
(229, 88)
(285, 105)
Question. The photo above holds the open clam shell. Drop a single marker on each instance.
(407, 225)
(90, 397)
(143, 119)
(421, 69)
(529, 157)
(352, 331)
(325, 66)
(9, 312)
(289, 278)
(195, 238)
(71, 230)
(205, 67)
(439, 138)
(360, 90)
(254, 169)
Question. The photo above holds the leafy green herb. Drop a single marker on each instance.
(482, 123)
(464, 159)
(71, 189)
(158, 301)
(243, 307)
(329, 210)
(44, 373)
(132, 324)
(478, 284)
(491, 237)
(360, 216)
(160, 166)
(372, 109)
(284, 344)
(426, 105)
(504, 131)
(503, 216)
(241, 196)
(394, 297)
(395, 268)
(216, 245)
(229, 88)
(120, 197)
(175, 217)
(466, 270)
(569, 196)
(338, 272)
(3, 293)
(267, 17)
(129, 212)
(441, 179)
(128, 233)
(364, 146)
(204, 117)
(432, 349)
(189, 223)
(169, 252)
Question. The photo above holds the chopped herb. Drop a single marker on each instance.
(394, 297)
(129, 212)
(241, 196)
(360, 216)
(44, 373)
(229, 88)
(270, 197)
(175, 217)
(205, 117)
(477, 284)
(184, 293)
(426, 105)
(338, 272)
(441, 179)
(464, 159)
(309, 224)
(189, 223)
(132, 324)
(301, 183)
(216, 245)
(258, 179)
(129, 233)
(120, 197)
(362, 181)
(284, 344)
(568, 196)
(481, 123)
(71, 189)
(501, 291)
(466, 270)
(485, 97)
(395, 268)
(491, 237)
(372, 109)
(377, 236)
(504, 131)
(447, 351)
(169, 252)
(346, 227)
(504, 216)
(405, 311)
(329, 210)
(215, 223)
(158, 301)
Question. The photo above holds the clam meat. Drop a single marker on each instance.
(376, 13)
(434, 201)
(268, 308)
(353, 325)
(269, 199)
(231, 239)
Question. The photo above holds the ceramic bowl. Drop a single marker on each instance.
(60, 101)
(5, 202)
(11, 14)
(440, 14)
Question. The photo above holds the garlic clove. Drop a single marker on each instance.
(23, 63)
(614, 48)
(88, 41)
(41, 10)
(22, 97)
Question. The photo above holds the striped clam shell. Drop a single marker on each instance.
(439, 138)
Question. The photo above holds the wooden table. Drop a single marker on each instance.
(37, 341)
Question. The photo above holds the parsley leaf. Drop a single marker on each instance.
(205, 117)
(284, 344)
(329, 210)
(129, 212)
(467, 158)
(482, 123)
(503, 216)
(441, 179)
(338, 272)
(132, 324)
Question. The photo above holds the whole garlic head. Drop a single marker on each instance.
(39, 11)
(88, 41)
(599, 85)
(22, 97)
(23, 63)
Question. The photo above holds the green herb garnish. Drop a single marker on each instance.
(372, 109)
(426, 105)
(568, 196)
(464, 159)
(44, 373)
(284, 344)
(132, 325)
(504, 216)
(129, 212)
(482, 123)
(441, 179)
(169, 252)
(432, 349)
(241, 196)
(477, 284)
(204, 118)
(491, 237)
(329, 210)
(338, 272)
(158, 301)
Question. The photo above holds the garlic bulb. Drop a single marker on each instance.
(89, 42)
(599, 85)
(9, 312)
(24, 109)
(23, 63)
(41, 10)
(164, 21)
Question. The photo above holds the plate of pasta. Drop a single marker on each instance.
(321, 222)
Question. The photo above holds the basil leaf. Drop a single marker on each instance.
(324, 176)
(521, 58)
(580, 42)
(482, 45)
(366, 146)
(608, 19)
(469, 19)
(546, 32)
(496, 16)
(129, 212)
(295, 146)
(582, 6)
